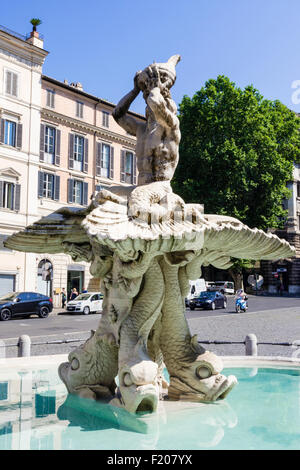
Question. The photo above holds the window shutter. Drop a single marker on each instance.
(56, 187)
(19, 135)
(111, 163)
(134, 169)
(71, 151)
(85, 194)
(8, 88)
(70, 190)
(40, 184)
(57, 147)
(2, 131)
(17, 197)
(122, 176)
(42, 142)
(101, 156)
(98, 159)
(1, 193)
(14, 84)
(86, 156)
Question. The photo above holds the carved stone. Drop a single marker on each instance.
(145, 244)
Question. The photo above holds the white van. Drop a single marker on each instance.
(196, 286)
(225, 287)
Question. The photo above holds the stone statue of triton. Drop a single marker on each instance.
(145, 243)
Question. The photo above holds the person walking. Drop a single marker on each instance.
(63, 297)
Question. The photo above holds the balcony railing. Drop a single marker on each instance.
(17, 35)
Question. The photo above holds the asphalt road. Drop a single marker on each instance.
(272, 319)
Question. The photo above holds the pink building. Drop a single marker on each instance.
(82, 149)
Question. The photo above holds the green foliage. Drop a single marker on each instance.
(240, 264)
(35, 22)
(236, 153)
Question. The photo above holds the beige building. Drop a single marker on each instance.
(70, 147)
(21, 61)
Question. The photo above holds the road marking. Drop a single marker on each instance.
(23, 324)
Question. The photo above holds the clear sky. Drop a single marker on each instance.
(103, 43)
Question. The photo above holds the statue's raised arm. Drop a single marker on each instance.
(128, 122)
(158, 138)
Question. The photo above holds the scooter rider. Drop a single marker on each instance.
(241, 297)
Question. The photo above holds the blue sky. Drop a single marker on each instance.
(102, 44)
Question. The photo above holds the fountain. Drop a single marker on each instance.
(145, 243)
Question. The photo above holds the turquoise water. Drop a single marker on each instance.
(261, 412)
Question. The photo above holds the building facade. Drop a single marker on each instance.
(284, 275)
(59, 145)
(21, 61)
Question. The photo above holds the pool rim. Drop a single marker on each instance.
(228, 361)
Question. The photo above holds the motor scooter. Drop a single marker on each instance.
(241, 305)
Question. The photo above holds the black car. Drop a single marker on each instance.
(209, 300)
(24, 303)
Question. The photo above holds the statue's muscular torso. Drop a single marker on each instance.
(158, 140)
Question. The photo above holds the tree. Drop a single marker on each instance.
(236, 271)
(35, 22)
(236, 153)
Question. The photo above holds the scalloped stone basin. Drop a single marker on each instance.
(262, 412)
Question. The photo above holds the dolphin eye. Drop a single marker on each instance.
(203, 372)
(127, 380)
(75, 364)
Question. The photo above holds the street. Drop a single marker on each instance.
(271, 319)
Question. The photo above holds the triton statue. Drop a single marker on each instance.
(145, 243)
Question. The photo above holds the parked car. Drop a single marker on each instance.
(196, 286)
(90, 302)
(209, 300)
(24, 303)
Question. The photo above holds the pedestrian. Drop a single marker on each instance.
(74, 294)
(84, 290)
(63, 297)
(281, 288)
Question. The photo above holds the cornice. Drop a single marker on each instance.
(21, 51)
(85, 127)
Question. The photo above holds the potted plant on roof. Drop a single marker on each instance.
(35, 22)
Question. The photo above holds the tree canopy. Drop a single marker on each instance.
(237, 152)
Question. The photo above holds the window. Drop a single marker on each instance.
(49, 144)
(8, 195)
(105, 159)
(11, 83)
(105, 119)
(10, 133)
(48, 185)
(128, 167)
(50, 98)
(77, 192)
(79, 109)
(298, 189)
(78, 152)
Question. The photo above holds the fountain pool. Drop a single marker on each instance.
(262, 412)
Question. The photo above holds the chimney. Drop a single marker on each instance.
(35, 40)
